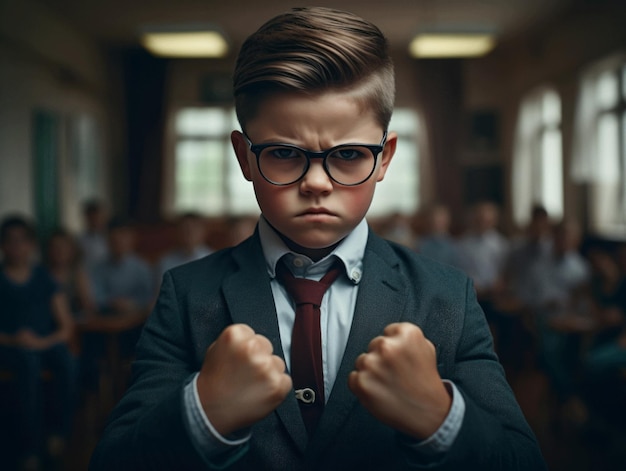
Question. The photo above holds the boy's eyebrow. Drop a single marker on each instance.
(278, 141)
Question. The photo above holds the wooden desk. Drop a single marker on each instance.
(112, 378)
(573, 324)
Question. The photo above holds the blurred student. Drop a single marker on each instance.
(63, 261)
(558, 281)
(559, 284)
(608, 291)
(191, 233)
(435, 241)
(483, 250)
(535, 247)
(35, 326)
(123, 282)
(93, 241)
(122, 285)
(398, 228)
(604, 364)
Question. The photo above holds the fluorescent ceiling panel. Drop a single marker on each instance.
(451, 45)
(185, 44)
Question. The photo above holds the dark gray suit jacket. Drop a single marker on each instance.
(198, 300)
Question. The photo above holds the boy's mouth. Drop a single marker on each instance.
(315, 211)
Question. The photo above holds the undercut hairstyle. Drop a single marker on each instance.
(315, 50)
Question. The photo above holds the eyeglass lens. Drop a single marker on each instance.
(348, 165)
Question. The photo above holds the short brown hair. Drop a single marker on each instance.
(312, 50)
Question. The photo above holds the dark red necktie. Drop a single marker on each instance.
(306, 340)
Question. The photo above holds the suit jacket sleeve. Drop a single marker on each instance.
(494, 434)
(146, 430)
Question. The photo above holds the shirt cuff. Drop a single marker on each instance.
(442, 440)
(216, 450)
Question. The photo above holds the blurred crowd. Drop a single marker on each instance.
(550, 301)
(60, 300)
(555, 300)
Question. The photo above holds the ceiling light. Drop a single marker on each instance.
(442, 45)
(185, 43)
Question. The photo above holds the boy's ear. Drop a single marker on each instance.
(240, 147)
(388, 152)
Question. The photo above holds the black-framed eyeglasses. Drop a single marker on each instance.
(347, 164)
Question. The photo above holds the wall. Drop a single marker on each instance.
(46, 65)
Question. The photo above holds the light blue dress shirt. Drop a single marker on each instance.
(129, 278)
(482, 257)
(337, 311)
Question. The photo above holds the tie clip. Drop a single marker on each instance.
(306, 395)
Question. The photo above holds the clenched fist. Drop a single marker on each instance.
(241, 381)
(398, 383)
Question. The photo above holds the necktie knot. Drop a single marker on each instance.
(303, 290)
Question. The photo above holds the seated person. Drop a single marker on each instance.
(603, 380)
(190, 235)
(435, 241)
(535, 247)
(556, 282)
(315, 344)
(122, 283)
(608, 292)
(62, 259)
(93, 240)
(558, 285)
(35, 327)
(122, 286)
(483, 250)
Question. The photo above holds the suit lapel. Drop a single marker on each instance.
(250, 301)
(381, 301)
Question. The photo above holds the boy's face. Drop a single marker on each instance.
(315, 213)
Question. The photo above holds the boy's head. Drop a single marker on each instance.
(121, 237)
(62, 249)
(484, 217)
(306, 82)
(96, 215)
(539, 225)
(437, 219)
(190, 230)
(314, 50)
(17, 240)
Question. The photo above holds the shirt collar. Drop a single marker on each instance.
(350, 251)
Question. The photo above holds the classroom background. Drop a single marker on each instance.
(511, 166)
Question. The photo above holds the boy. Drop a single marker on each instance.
(216, 364)
(93, 241)
(122, 286)
(35, 326)
(122, 283)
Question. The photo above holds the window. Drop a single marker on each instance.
(399, 191)
(537, 176)
(207, 177)
(600, 145)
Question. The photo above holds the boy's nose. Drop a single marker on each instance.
(316, 180)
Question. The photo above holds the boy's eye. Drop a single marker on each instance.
(347, 154)
(284, 153)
